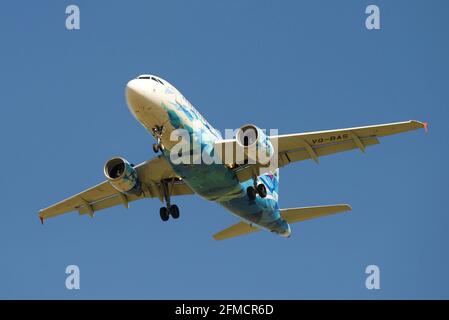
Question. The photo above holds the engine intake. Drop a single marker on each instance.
(255, 144)
(122, 176)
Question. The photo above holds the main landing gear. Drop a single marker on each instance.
(169, 209)
(157, 131)
(165, 212)
(257, 189)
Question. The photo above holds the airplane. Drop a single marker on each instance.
(248, 188)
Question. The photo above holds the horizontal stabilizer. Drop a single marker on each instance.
(293, 215)
(235, 230)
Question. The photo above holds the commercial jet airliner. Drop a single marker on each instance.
(246, 186)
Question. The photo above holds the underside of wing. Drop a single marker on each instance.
(154, 175)
(313, 145)
(291, 148)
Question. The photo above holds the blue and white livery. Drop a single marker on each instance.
(226, 171)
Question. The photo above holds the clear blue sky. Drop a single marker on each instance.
(293, 65)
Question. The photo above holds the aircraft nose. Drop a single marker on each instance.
(136, 92)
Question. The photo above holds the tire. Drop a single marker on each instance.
(174, 211)
(164, 214)
(155, 147)
(251, 192)
(262, 190)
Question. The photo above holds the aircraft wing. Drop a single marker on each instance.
(313, 145)
(103, 195)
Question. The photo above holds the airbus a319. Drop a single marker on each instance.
(247, 188)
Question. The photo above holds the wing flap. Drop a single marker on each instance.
(291, 141)
(105, 203)
(100, 191)
(301, 153)
(178, 189)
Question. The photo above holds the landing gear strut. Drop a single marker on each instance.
(169, 209)
(257, 189)
(157, 131)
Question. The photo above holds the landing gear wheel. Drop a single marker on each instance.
(157, 132)
(174, 211)
(262, 190)
(158, 147)
(251, 192)
(164, 214)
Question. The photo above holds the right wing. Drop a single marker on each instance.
(313, 145)
(103, 195)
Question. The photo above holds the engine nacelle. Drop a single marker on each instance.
(122, 176)
(255, 144)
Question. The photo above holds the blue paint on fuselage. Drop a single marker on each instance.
(217, 182)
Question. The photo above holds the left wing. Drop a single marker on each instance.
(313, 145)
(151, 174)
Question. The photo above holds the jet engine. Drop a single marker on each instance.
(122, 176)
(255, 144)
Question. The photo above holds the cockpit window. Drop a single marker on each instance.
(157, 80)
(145, 76)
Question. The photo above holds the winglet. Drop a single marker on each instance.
(421, 124)
(42, 220)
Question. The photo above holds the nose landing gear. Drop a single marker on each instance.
(158, 146)
(157, 132)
